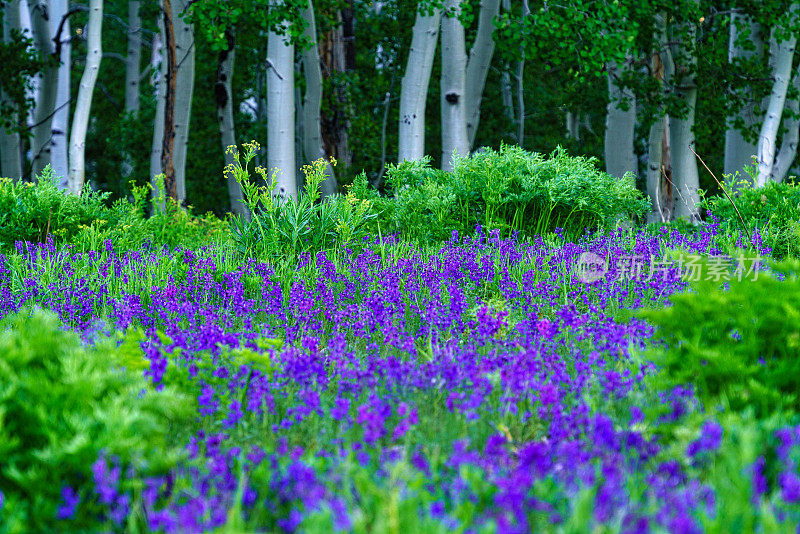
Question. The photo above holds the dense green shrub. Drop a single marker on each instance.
(61, 403)
(31, 212)
(509, 189)
(278, 227)
(39, 211)
(772, 210)
(739, 346)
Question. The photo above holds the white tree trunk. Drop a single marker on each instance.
(10, 156)
(660, 203)
(507, 95)
(519, 75)
(791, 123)
(159, 65)
(299, 134)
(80, 121)
(280, 113)
(224, 98)
(184, 89)
(684, 163)
(685, 176)
(654, 152)
(414, 87)
(573, 121)
(60, 125)
(32, 91)
(133, 59)
(505, 81)
(313, 148)
(738, 151)
(453, 106)
(784, 160)
(480, 59)
(620, 126)
(767, 139)
(48, 87)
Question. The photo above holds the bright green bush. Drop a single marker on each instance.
(31, 212)
(740, 346)
(278, 227)
(127, 224)
(37, 211)
(773, 210)
(61, 403)
(509, 189)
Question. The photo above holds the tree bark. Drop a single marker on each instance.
(224, 99)
(45, 103)
(791, 136)
(337, 54)
(133, 59)
(767, 139)
(184, 90)
(10, 153)
(414, 86)
(60, 123)
(313, 147)
(505, 81)
(685, 176)
(738, 151)
(168, 140)
(480, 59)
(159, 66)
(659, 188)
(80, 121)
(519, 75)
(620, 125)
(573, 126)
(281, 113)
(507, 95)
(455, 139)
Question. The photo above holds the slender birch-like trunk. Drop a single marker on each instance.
(505, 81)
(133, 59)
(80, 120)
(281, 113)
(10, 152)
(159, 66)
(168, 139)
(313, 147)
(507, 94)
(224, 99)
(657, 148)
(739, 151)
(620, 125)
(519, 73)
(767, 139)
(454, 67)
(480, 59)
(414, 86)
(685, 175)
(337, 53)
(132, 63)
(791, 123)
(184, 90)
(299, 133)
(60, 123)
(658, 212)
(45, 103)
(573, 124)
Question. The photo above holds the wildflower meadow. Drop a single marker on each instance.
(475, 352)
